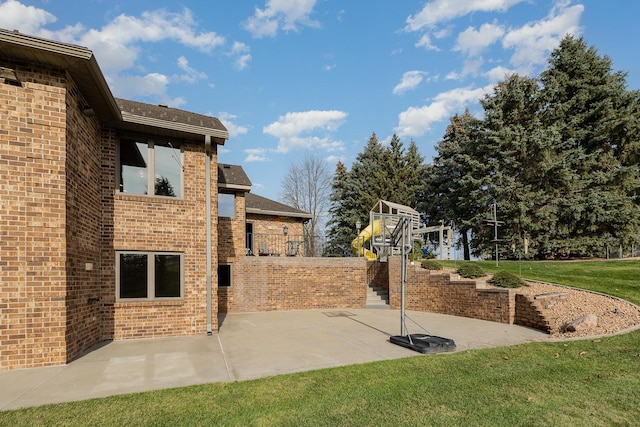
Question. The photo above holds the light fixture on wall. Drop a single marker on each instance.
(88, 111)
(285, 229)
(10, 77)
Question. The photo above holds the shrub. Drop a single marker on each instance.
(505, 279)
(430, 264)
(470, 271)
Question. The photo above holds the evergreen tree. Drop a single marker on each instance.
(378, 173)
(597, 121)
(450, 184)
(342, 213)
(558, 155)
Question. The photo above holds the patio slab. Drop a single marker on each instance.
(248, 346)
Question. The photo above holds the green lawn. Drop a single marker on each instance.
(576, 383)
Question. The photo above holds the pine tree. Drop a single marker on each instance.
(450, 185)
(597, 121)
(378, 173)
(342, 213)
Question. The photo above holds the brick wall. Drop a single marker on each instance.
(528, 314)
(295, 283)
(269, 231)
(231, 233)
(82, 226)
(33, 252)
(159, 224)
(426, 290)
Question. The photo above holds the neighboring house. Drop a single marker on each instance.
(108, 219)
(251, 225)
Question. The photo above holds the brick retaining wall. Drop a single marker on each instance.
(294, 283)
(435, 292)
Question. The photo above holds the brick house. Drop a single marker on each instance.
(107, 221)
(116, 221)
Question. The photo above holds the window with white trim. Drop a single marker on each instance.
(149, 275)
(145, 164)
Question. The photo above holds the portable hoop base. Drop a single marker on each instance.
(424, 343)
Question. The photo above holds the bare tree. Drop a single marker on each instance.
(307, 186)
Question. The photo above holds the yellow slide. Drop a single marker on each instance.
(363, 237)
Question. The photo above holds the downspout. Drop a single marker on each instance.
(207, 172)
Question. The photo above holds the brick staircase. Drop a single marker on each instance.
(377, 297)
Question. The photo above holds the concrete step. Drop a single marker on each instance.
(377, 297)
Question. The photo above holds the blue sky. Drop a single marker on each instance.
(289, 77)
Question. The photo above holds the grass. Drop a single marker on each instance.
(620, 278)
(588, 382)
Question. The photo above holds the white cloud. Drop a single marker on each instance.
(499, 73)
(472, 42)
(438, 11)
(227, 120)
(415, 121)
(285, 15)
(141, 86)
(471, 66)
(117, 44)
(295, 130)
(241, 52)
(256, 155)
(191, 75)
(410, 80)
(533, 42)
(425, 42)
(26, 19)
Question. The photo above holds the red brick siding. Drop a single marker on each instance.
(32, 219)
(161, 224)
(295, 283)
(269, 230)
(429, 291)
(231, 233)
(528, 313)
(83, 207)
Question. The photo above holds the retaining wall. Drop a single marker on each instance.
(294, 283)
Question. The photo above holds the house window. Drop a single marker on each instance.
(149, 275)
(146, 164)
(226, 205)
(224, 275)
(248, 235)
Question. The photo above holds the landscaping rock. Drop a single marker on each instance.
(588, 321)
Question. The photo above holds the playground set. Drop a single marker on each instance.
(390, 232)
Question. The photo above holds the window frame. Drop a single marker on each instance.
(151, 283)
(233, 204)
(151, 159)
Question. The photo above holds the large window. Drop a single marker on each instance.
(146, 164)
(226, 205)
(149, 275)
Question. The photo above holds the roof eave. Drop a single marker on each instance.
(220, 135)
(279, 213)
(78, 61)
(240, 187)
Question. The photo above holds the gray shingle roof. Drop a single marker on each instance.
(261, 205)
(233, 177)
(139, 113)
